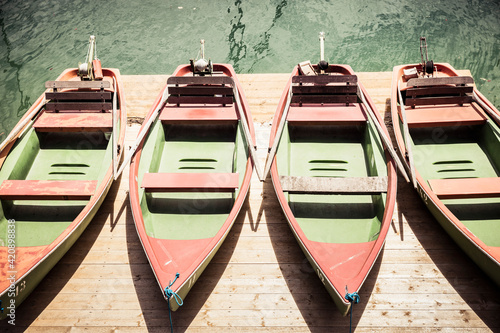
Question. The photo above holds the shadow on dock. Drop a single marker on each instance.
(465, 277)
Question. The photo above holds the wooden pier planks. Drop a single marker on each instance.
(260, 281)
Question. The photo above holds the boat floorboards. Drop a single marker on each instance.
(260, 281)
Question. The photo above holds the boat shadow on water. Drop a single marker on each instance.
(473, 286)
(154, 308)
(310, 296)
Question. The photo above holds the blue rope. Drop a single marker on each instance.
(353, 298)
(169, 293)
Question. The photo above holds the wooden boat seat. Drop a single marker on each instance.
(190, 182)
(200, 90)
(433, 116)
(74, 122)
(439, 90)
(84, 98)
(47, 189)
(353, 114)
(324, 89)
(466, 187)
(322, 185)
(219, 115)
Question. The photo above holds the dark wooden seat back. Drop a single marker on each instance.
(200, 90)
(89, 95)
(441, 90)
(324, 89)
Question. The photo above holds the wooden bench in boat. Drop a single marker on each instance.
(433, 116)
(79, 105)
(310, 93)
(83, 99)
(324, 89)
(331, 115)
(200, 90)
(47, 189)
(439, 90)
(440, 102)
(190, 182)
(220, 115)
(324, 185)
(74, 122)
(466, 187)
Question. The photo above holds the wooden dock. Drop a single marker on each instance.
(260, 281)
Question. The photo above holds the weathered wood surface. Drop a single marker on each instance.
(77, 84)
(364, 185)
(260, 281)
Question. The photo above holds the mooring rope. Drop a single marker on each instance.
(169, 293)
(353, 298)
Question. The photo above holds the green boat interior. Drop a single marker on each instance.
(190, 147)
(457, 152)
(51, 156)
(335, 151)
(65, 152)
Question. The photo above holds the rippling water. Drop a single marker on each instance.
(39, 39)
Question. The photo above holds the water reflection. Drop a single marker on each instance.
(237, 46)
(42, 38)
(13, 84)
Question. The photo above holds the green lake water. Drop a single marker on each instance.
(39, 39)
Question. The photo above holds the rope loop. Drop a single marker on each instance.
(169, 293)
(352, 297)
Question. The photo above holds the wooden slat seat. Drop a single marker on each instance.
(331, 115)
(200, 90)
(324, 89)
(325, 185)
(83, 99)
(47, 189)
(215, 115)
(438, 81)
(78, 106)
(79, 95)
(217, 80)
(325, 79)
(74, 122)
(190, 182)
(433, 116)
(466, 187)
(77, 84)
(439, 90)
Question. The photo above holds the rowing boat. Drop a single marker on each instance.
(56, 168)
(190, 174)
(333, 178)
(449, 137)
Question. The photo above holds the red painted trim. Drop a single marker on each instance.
(47, 189)
(165, 273)
(74, 122)
(444, 116)
(466, 187)
(173, 114)
(332, 114)
(169, 182)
